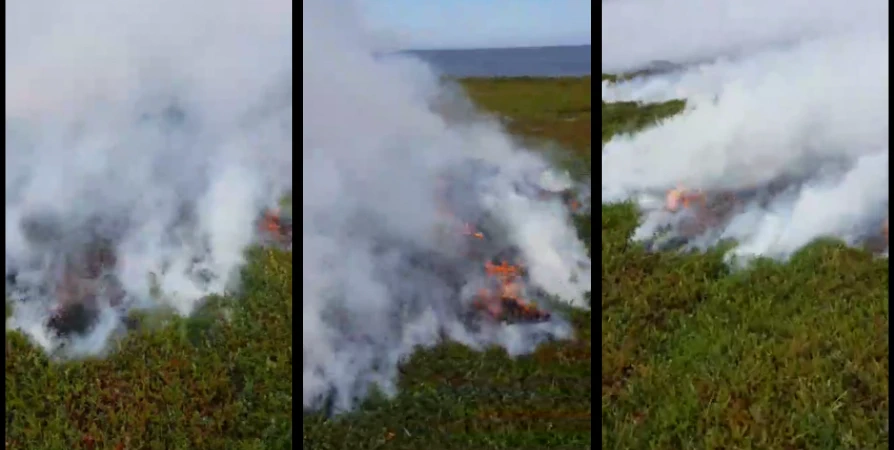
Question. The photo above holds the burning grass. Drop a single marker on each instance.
(697, 211)
(783, 355)
(453, 397)
(223, 378)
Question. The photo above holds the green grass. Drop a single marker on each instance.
(628, 117)
(553, 110)
(785, 355)
(453, 398)
(219, 380)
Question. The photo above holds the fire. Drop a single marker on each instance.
(469, 230)
(506, 298)
(567, 197)
(503, 270)
(722, 204)
(503, 296)
(681, 197)
(272, 224)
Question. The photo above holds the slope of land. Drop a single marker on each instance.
(455, 398)
(785, 355)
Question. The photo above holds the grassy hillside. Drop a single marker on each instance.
(454, 398)
(784, 356)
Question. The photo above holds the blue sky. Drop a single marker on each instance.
(479, 23)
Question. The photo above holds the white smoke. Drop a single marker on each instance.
(638, 33)
(378, 278)
(799, 132)
(160, 128)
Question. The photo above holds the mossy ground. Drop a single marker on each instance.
(455, 398)
(785, 355)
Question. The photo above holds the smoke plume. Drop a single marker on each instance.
(143, 139)
(393, 164)
(783, 144)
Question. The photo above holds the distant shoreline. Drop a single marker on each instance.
(508, 62)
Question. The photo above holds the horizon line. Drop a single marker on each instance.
(507, 47)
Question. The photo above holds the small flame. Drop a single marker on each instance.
(507, 294)
(567, 198)
(504, 296)
(469, 230)
(504, 270)
(682, 198)
(271, 224)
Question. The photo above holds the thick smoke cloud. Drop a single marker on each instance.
(382, 272)
(154, 130)
(636, 33)
(797, 133)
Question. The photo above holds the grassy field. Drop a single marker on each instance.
(454, 398)
(783, 356)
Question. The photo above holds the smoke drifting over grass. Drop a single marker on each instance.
(797, 135)
(385, 268)
(143, 140)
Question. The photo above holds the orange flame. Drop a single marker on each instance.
(508, 293)
(469, 230)
(681, 197)
(271, 224)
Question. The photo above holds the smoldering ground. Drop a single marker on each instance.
(796, 134)
(144, 138)
(393, 165)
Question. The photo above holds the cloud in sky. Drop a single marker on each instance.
(478, 23)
